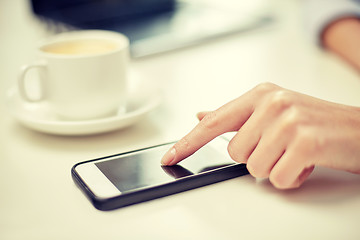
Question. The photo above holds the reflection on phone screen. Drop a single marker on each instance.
(143, 170)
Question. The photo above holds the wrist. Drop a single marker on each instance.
(343, 37)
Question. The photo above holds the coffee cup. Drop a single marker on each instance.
(83, 74)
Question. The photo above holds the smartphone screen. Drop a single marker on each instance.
(141, 170)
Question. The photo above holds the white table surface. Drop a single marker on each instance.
(38, 199)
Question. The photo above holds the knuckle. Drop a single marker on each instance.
(278, 181)
(291, 121)
(256, 170)
(231, 151)
(309, 142)
(210, 120)
(280, 100)
(303, 139)
(234, 152)
(265, 87)
(182, 144)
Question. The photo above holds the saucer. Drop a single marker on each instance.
(40, 117)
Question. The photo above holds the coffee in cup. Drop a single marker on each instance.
(84, 74)
(81, 47)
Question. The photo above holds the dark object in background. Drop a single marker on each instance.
(100, 13)
(153, 26)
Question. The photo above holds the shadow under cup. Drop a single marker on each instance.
(83, 74)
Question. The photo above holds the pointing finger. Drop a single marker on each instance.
(229, 117)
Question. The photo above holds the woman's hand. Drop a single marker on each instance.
(281, 135)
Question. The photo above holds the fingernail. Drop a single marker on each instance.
(169, 157)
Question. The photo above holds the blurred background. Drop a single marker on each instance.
(248, 42)
(154, 26)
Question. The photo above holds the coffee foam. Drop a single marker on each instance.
(81, 47)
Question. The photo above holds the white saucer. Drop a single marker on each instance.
(40, 117)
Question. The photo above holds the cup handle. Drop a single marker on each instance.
(22, 76)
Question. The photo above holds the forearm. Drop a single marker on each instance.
(343, 38)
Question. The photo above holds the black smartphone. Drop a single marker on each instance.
(137, 176)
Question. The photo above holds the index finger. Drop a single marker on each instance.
(229, 117)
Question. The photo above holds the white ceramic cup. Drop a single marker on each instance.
(84, 74)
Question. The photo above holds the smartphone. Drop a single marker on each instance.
(137, 176)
